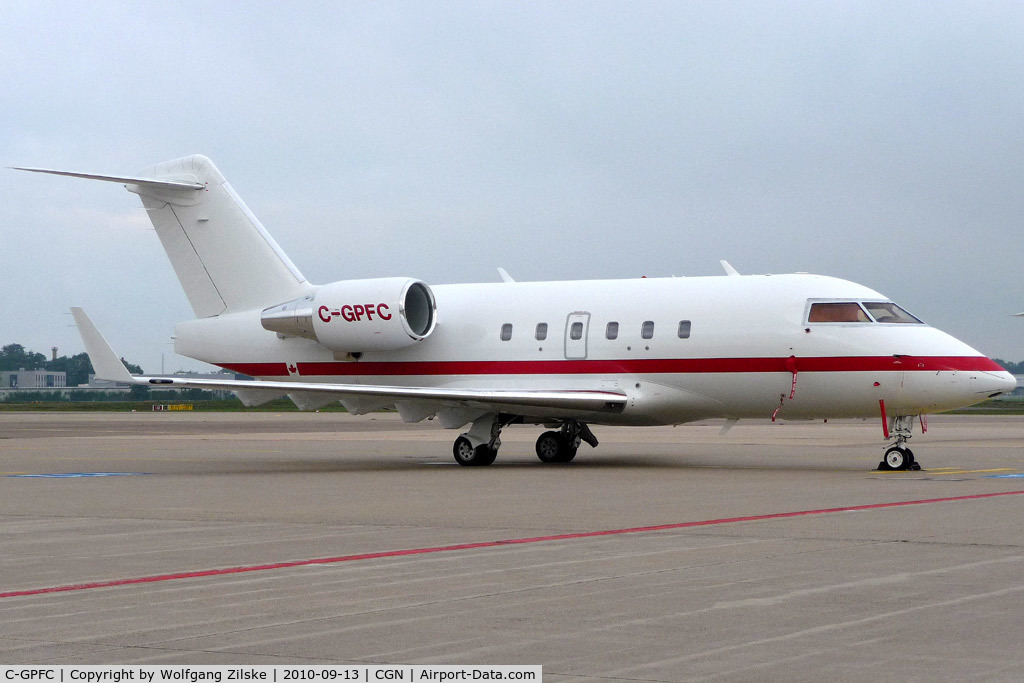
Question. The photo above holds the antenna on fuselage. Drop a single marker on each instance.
(729, 270)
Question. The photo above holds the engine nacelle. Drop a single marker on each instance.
(353, 316)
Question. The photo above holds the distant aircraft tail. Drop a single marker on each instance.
(225, 259)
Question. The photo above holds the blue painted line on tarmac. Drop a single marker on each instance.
(1019, 475)
(76, 475)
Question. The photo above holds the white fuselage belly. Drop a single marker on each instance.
(748, 341)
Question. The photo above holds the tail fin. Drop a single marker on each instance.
(225, 259)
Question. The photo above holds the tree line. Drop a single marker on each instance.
(1011, 367)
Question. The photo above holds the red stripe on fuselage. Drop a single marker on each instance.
(623, 366)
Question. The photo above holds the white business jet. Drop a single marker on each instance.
(567, 355)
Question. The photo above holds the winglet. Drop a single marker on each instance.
(729, 270)
(505, 277)
(104, 361)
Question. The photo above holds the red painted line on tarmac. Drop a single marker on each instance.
(483, 544)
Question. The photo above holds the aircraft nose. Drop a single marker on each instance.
(994, 384)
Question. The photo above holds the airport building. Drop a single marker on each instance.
(32, 379)
(55, 384)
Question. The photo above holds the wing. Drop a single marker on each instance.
(415, 402)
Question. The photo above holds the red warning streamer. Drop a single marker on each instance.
(885, 418)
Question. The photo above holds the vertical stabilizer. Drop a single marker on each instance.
(225, 259)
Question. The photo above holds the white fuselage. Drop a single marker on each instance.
(748, 352)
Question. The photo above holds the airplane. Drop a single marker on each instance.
(565, 355)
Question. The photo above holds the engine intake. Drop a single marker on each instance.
(354, 316)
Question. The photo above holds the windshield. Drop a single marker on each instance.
(837, 312)
(858, 312)
(888, 312)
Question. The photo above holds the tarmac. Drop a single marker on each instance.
(772, 552)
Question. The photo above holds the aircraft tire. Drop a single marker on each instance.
(549, 445)
(468, 456)
(897, 458)
(485, 456)
(552, 448)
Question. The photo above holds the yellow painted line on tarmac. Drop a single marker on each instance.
(940, 471)
(999, 469)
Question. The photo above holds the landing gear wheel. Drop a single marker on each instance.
(553, 447)
(898, 458)
(466, 455)
(548, 446)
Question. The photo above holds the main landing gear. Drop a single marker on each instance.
(479, 446)
(561, 446)
(898, 456)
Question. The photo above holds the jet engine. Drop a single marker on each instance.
(354, 316)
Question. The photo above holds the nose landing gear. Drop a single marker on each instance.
(898, 456)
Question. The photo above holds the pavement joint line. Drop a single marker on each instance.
(485, 544)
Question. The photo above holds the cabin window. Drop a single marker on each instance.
(888, 312)
(611, 331)
(542, 331)
(506, 332)
(647, 329)
(576, 331)
(684, 329)
(837, 312)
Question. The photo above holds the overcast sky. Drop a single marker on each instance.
(882, 142)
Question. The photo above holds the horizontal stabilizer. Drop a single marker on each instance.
(127, 180)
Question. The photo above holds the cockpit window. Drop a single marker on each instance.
(888, 312)
(837, 312)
